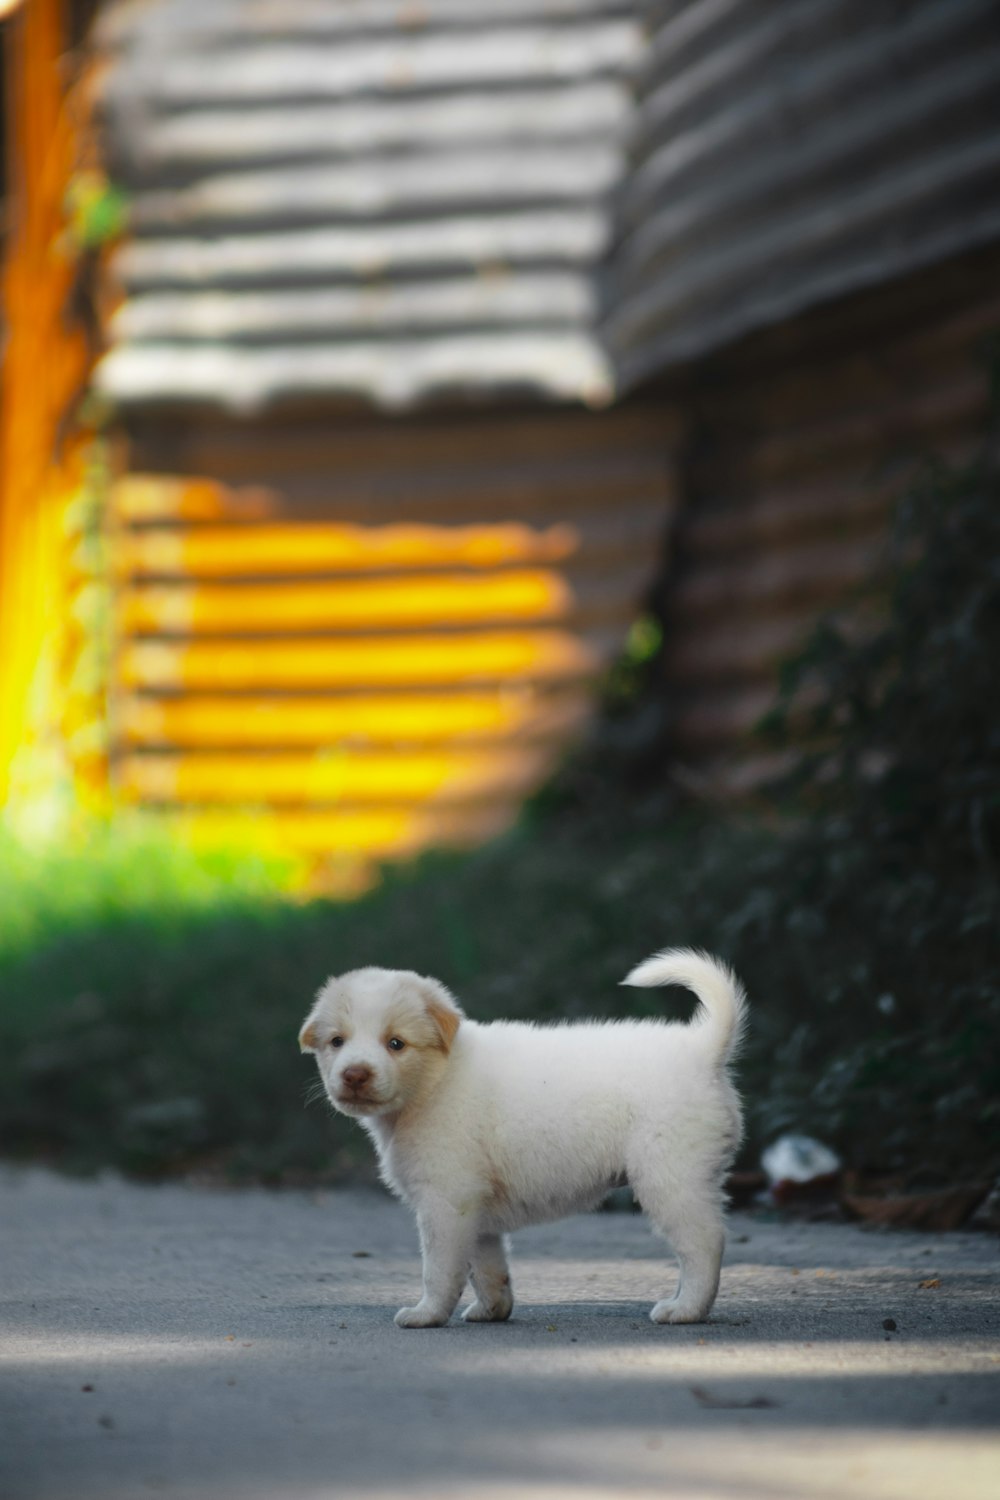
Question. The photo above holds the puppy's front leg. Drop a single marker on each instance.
(447, 1238)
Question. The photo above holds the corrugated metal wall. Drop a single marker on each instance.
(376, 631)
(788, 154)
(376, 638)
(332, 228)
(379, 202)
(805, 261)
(799, 442)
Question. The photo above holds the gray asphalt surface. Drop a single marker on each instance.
(197, 1343)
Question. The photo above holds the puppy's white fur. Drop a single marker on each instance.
(486, 1128)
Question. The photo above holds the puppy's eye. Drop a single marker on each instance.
(396, 1044)
(336, 1041)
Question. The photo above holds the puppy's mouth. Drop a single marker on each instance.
(357, 1101)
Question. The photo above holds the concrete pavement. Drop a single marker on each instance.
(210, 1345)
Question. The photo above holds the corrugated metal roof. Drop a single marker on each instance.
(379, 200)
(785, 155)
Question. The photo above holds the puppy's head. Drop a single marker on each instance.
(381, 1038)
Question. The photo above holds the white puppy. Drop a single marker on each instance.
(485, 1128)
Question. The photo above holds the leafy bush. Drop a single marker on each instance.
(894, 876)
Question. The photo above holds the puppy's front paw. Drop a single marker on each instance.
(673, 1311)
(420, 1317)
(495, 1312)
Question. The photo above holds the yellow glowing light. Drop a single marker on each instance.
(154, 497)
(316, 548)
(375, 833)
(389, 719)
(447, 775)
(350, 693)
(421, 660)
(376, 603)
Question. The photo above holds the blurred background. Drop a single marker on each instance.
(498, 488)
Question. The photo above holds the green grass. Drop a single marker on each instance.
(98, 875)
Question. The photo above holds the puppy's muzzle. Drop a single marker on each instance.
(354, 1082)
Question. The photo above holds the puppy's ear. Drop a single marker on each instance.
(308, 1037)
(443, 1009)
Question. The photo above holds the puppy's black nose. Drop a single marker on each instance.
(356, 1076)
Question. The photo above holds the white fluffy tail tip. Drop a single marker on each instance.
(647, 974)
(722, 1010)
(679, 966)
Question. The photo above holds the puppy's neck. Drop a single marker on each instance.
(381, 1128)
(389, 1135)
(384, 1129)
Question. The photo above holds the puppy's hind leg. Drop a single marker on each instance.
(490, 1281)
(691, 1220)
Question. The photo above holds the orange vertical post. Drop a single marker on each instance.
(44, 364)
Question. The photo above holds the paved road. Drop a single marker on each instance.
(213, 1345)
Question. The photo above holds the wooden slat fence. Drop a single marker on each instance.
(389, 642)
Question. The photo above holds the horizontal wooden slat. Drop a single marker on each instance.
(865, 420)
(204, 26)
(469, 443)
(199, 139)
(719, 653)
(548, 298)
(439, 602)
(494, 499)
(594, 543)
(352, 777)
(565, 234)
(200, 721)
(417, 661)
(344, 834)
(710, 721)
(399, 60)
(429, 601)
(358, 189)
(817, 574)
(163, 497)
(784, 515)
(561, 364)
(325, 547)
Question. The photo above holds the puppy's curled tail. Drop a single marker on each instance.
(723, 1014)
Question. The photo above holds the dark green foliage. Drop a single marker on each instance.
(897, 864)
(904, 721)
